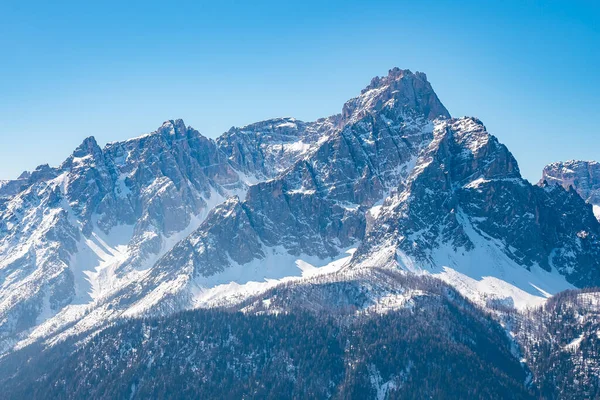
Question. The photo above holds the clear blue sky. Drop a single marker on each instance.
(527, 69)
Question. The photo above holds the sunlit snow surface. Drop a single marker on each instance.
(485, 275)
(230, 287)
(98, 271)
(242, 281)
(596, 212)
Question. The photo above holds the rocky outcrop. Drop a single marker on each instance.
(266, 149)
(583, 176)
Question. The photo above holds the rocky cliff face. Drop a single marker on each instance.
(316, 207)
(267, 148)
(73, 233)
(161, 222)
(583, 176)
(400, 89)
(466, 191)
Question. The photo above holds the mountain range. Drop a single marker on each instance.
(389, 232)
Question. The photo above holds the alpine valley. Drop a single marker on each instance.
(389, 251)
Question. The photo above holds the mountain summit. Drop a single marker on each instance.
(391, 187)
(400, 89)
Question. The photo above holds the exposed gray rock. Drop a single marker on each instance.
(467, 180)
(583, 176)
(400, 89)
(158, 185)
(267, 148)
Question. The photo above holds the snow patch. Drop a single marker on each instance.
(242, 281)
(596, 210)
(574, 345)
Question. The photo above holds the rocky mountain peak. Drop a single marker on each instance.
(24, 175)
(394, 74)
(173, 127)
(42, 173)
(401, 90)
(89, 146)
(86, 152)
(465, 190)
(573, 173)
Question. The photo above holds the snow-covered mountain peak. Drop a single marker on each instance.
(88, 146)
(401, 90)
(465, 213)
(88, 151)
(280, 122)
(393, 75)
(268, 148)
(173, 127)
(148, 224)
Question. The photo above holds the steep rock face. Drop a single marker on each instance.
(166, 179)
(316, 207)
(465, 188)
(400, 89)
(583, 176)
(71, 234)
(89, 184)
(267, 148)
